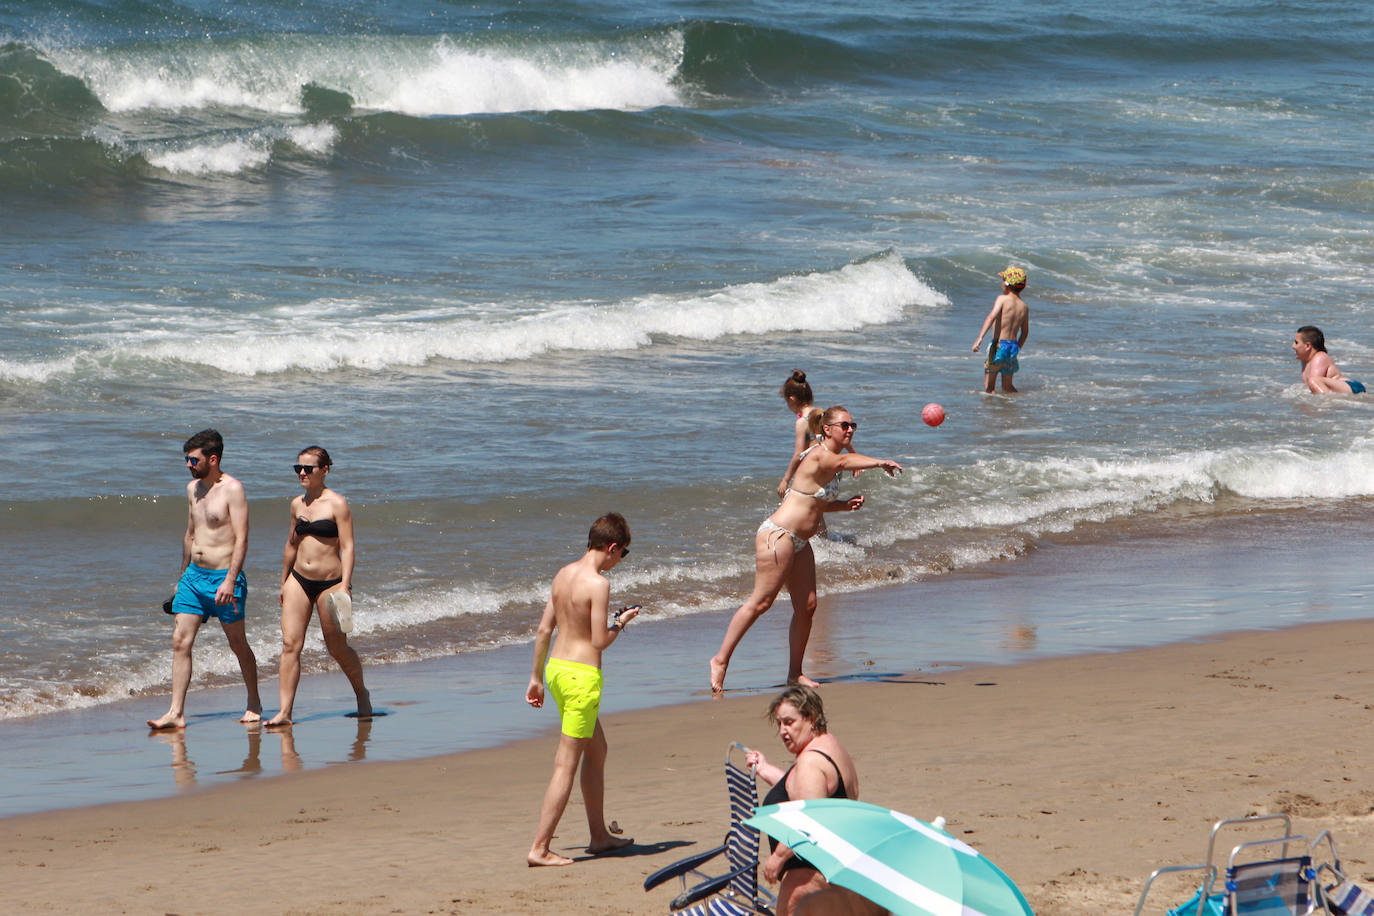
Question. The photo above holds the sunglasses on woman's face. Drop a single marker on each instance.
(305, 468)
(846, 425)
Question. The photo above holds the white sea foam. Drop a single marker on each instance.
(37, 371)
(214, 159)
(459, 81)
(243, 153)
(1290, 474)
(1054, 495)
(314, 138)
(421, 76)
(873, 291)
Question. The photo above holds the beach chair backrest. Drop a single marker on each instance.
(1272, 887)
(742, 843)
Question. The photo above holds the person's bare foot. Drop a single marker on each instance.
(365, 705)
(277, 721)
(610, 845)
(251, 715)
(804, 681)
(717, 677)
(167, 721)
(547, 857)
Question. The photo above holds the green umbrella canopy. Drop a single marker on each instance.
(898, 862)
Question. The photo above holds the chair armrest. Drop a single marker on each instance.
(681, 867)
(707, 888)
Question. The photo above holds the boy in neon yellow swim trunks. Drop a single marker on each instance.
(1009, 322)
(576, 610)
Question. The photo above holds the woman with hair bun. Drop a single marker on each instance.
(797, 393)
(317, 565)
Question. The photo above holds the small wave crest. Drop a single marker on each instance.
(1056, 495)
(875, 290)
(35, 96)
(240, 154)
(411, 75)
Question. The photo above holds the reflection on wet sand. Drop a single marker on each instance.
(184, 768)
(359, 749)
(290, 760)
(251, 763)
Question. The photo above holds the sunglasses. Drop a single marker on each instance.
(192, 461)
(845, 425)
(305, 468)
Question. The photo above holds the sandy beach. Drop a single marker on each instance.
(1077, 775)
(518, 265)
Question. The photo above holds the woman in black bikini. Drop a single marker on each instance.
(318, 561)
(822, 768)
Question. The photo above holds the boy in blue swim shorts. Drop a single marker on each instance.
(1009, 322)
(576, 611)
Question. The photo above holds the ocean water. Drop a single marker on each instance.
(518, 264)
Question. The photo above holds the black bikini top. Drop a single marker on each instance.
(320, 528)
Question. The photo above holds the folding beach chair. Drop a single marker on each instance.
(1343, 897)
(1283, 886)
(737, 891)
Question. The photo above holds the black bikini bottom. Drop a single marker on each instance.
(315, 587)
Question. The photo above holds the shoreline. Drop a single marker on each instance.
(1064, 599)
(1029, 762)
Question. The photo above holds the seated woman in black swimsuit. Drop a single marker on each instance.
(822, 768)
(317, 562)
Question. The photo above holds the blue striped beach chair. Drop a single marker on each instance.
(1346, 898)
(1343, 897)
(1282, 886)
(736, 891)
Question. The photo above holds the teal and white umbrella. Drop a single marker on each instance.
(898, 862)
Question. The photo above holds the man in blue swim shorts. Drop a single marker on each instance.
(1009, 322)
(196, 595)
(212, 582)
(576, 610)
(1319, 372)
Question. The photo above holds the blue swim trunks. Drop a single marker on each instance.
(1002, 357)
(196, 595)
(1355, 387)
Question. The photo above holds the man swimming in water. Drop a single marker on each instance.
(1010, 324)
(212, 581)
(1319, 373)
(577, 609)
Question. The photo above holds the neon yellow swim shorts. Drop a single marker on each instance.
(576, 688)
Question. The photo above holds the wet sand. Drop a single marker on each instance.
(1077, 775)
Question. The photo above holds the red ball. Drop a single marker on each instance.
(933, 414)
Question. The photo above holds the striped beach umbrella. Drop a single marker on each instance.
(898, 862)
